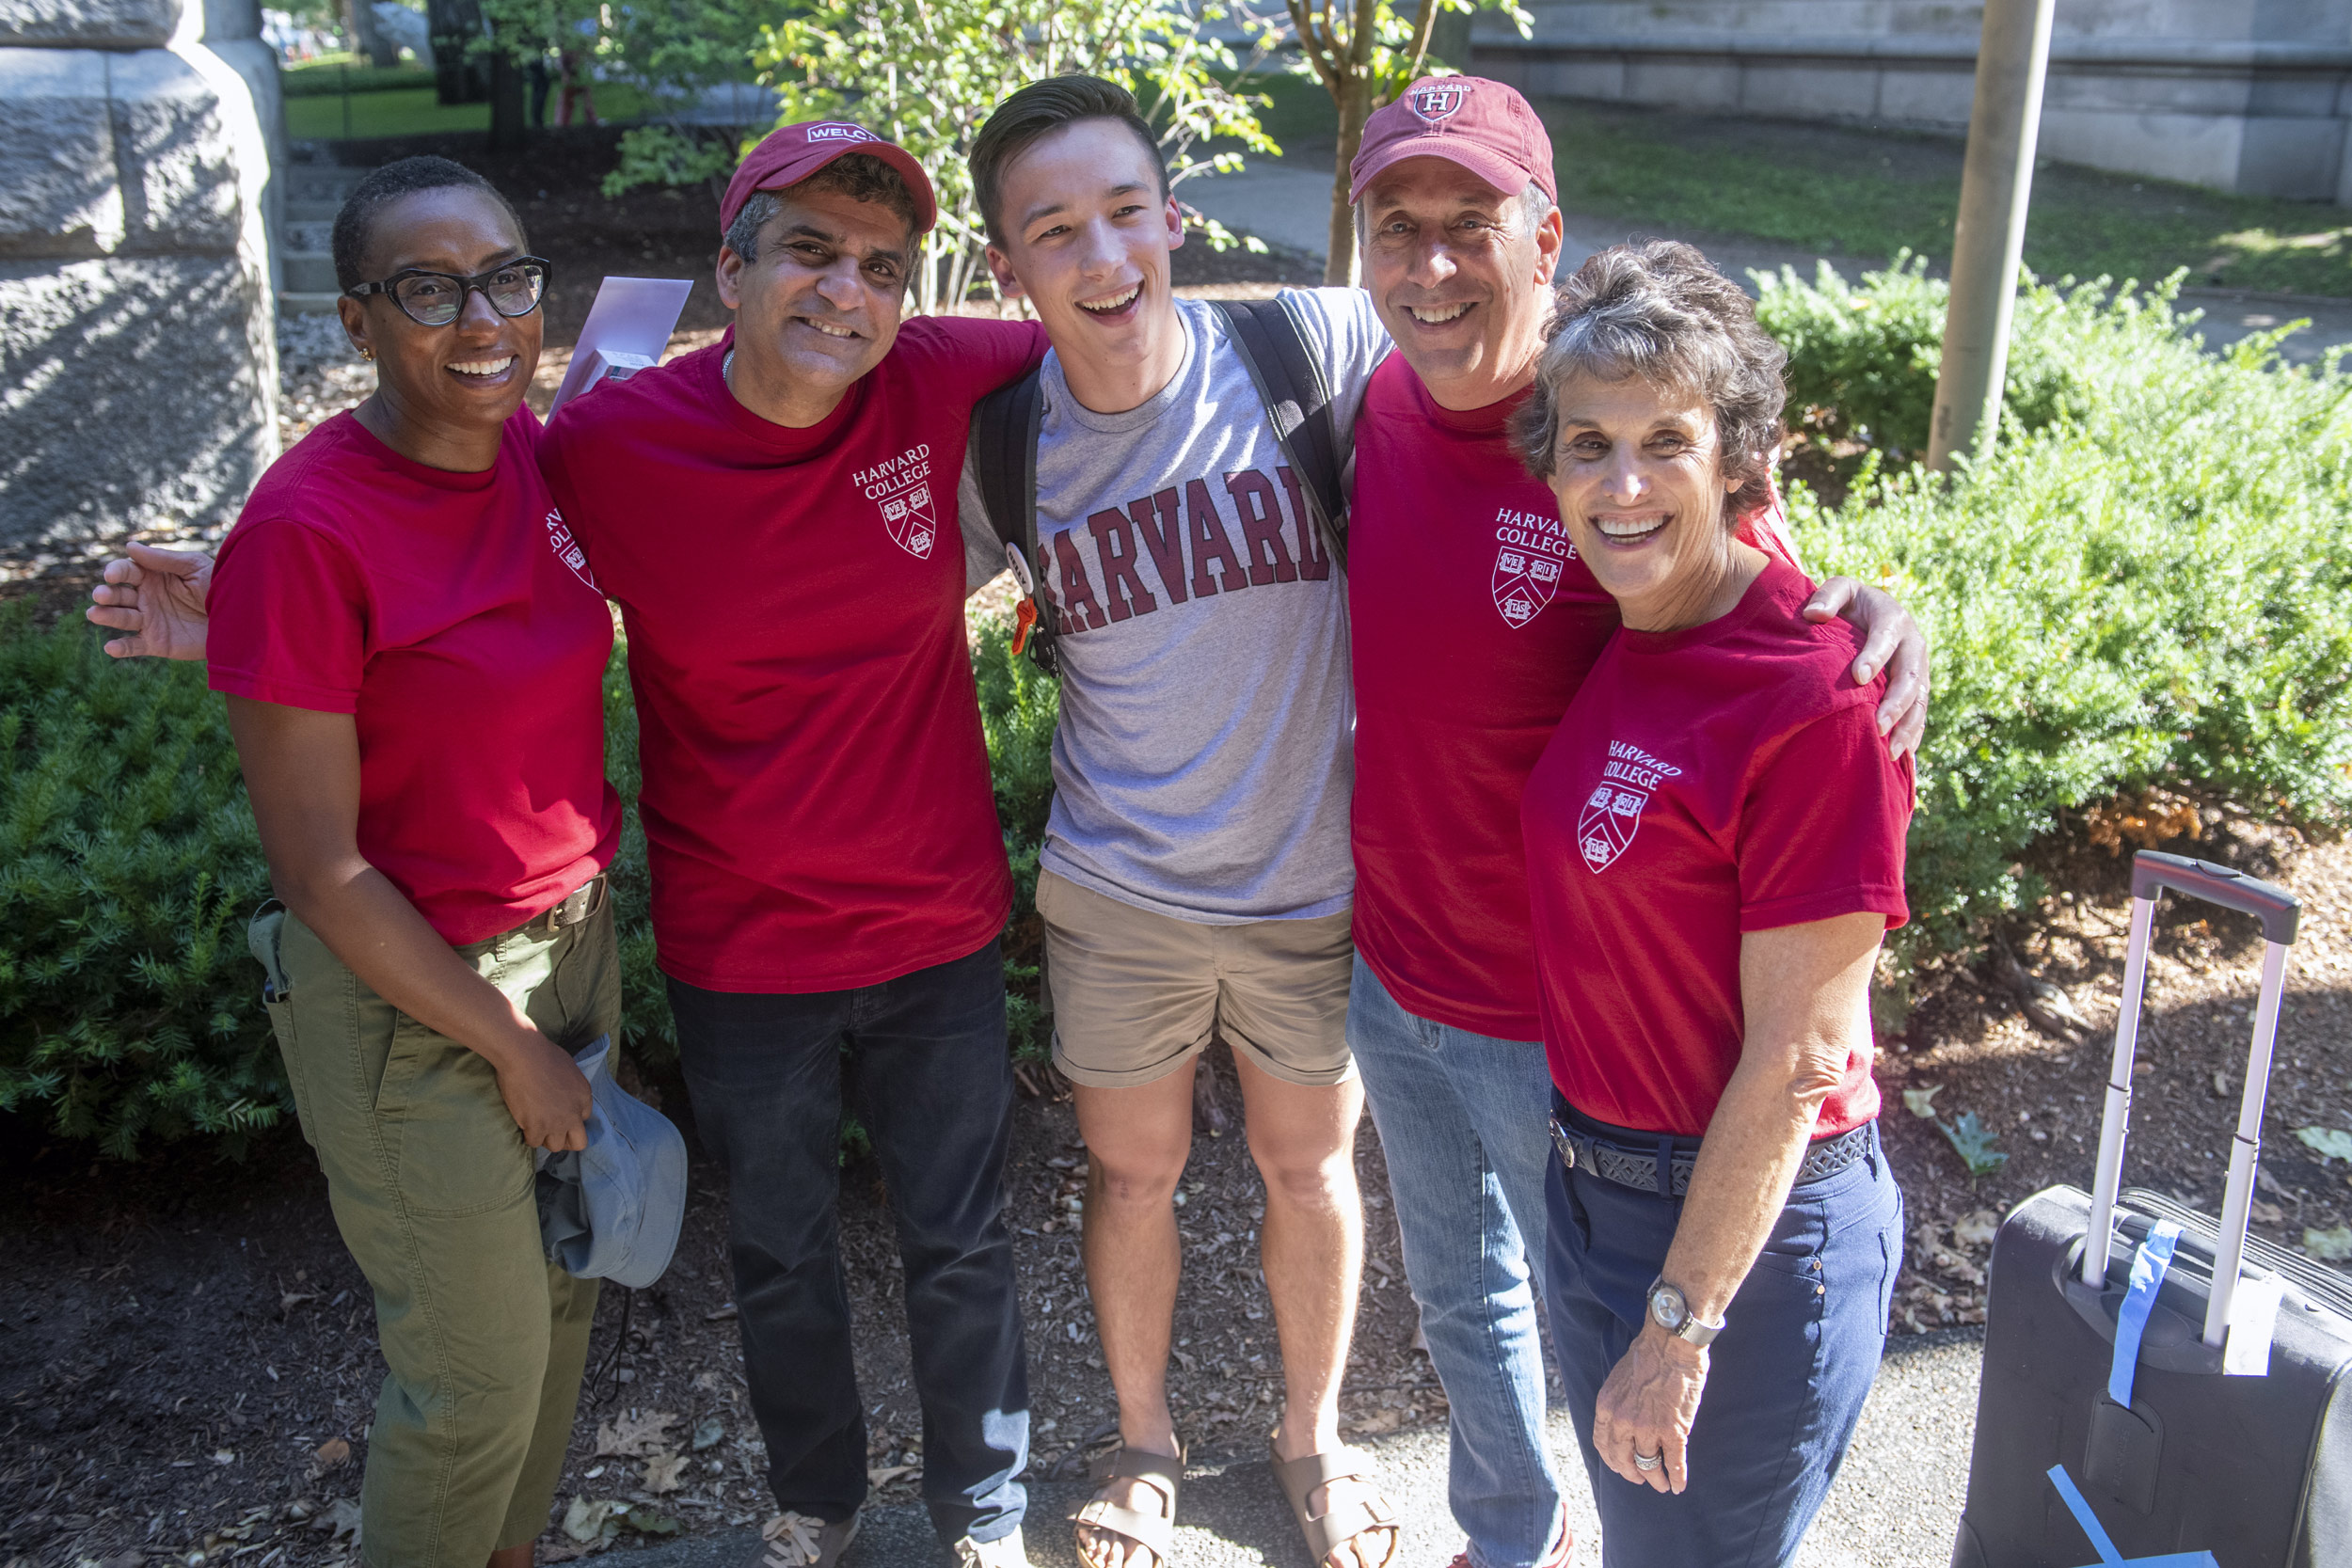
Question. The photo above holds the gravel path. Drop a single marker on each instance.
(1892, 1507)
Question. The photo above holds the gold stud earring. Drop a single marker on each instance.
(368, 355)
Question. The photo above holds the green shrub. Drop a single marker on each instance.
(647, 1030)
(2148, 582)
(130, 1007)
(1019, 708)
(1863, 361)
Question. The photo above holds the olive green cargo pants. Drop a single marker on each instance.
(432, 1188)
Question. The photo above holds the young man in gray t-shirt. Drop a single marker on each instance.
(1196, 879)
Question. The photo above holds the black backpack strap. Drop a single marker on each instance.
(1004, 443)
(1297, 398)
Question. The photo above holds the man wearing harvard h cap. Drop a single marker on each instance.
(1473, 623)
(776, 516)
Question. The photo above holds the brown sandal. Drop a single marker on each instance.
(1154, 1532)
(1326, 1532)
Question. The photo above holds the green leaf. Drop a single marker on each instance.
(1922, 1102)
(1974, 1142)
(2330, 1143)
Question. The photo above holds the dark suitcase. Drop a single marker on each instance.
(2202, 1465)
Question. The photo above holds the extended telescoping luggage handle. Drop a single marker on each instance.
(2278, 910)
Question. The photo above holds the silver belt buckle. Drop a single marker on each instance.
(1560, 1141)
(579, 904)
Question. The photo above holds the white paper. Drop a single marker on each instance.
(2253, 1313)
(631, 316)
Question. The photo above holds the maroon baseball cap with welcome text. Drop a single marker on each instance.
(1483, 126)
(790, 153)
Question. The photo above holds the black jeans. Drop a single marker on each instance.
(925, 1071)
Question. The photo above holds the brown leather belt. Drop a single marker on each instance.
(581, 902)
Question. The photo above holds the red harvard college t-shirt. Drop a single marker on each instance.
(816, 791)
(452, 615)
(1473, 623)
(1704, 783)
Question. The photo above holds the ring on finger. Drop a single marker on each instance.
(1649, 1461)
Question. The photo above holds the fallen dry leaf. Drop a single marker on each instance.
(1978, 1229)
(883, 1475)
(637, 1435)
(2267, 1213)
(661, 1472)
(792, 1540)
(332, 1452)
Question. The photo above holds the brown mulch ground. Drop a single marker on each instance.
(2040, 1092)
(188, 1365)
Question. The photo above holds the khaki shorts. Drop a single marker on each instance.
(1137, 995)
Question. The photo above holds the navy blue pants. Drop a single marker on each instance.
(1786, 1377)
(927, 1073)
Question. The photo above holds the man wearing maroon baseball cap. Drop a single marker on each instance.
(776, 516)
(1473, 623)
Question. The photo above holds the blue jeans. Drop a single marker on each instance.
(1461, 1120)
(925, 1071)
(1785, 1379)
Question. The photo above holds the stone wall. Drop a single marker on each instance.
(138, 375)
(2242, 95)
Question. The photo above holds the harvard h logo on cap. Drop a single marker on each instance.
(1437, 103)
(1485, 127)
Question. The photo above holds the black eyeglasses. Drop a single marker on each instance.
(438, 298)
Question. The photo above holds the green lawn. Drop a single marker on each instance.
(413, 111)
(1868, 193)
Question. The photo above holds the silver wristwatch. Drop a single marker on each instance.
(1670, 1310)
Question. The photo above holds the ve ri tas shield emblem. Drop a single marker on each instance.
(1523, 583)
(908, 516)
(1606, 828)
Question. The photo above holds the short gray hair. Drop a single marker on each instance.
(1660, 311)
(1533, 206)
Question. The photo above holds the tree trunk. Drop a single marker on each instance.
(366, 40)
(1355, 104)
(508, 127)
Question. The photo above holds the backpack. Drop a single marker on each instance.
(1297, 399)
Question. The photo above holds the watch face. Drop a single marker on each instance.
(1666, 1306)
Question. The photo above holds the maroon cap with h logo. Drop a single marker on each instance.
(1483, 126)
(791, 153)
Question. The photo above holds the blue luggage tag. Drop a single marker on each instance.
(2100, 1543)
(2148, 1267)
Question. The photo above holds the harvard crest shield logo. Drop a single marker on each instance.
(568, 550)
(1605, 828)
(908, 516)
(1523, 583)
(1437, 103)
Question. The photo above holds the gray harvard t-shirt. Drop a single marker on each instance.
(1202, 769)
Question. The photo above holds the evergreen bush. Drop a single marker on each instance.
(2148, 580)
(130, 1006)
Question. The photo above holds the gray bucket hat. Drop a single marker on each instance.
(613, 1210)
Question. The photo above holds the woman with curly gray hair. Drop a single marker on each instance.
(1715, 850)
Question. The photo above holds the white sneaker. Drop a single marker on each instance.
(1004, 1552)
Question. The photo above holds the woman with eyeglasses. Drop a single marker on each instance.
(413, 653)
